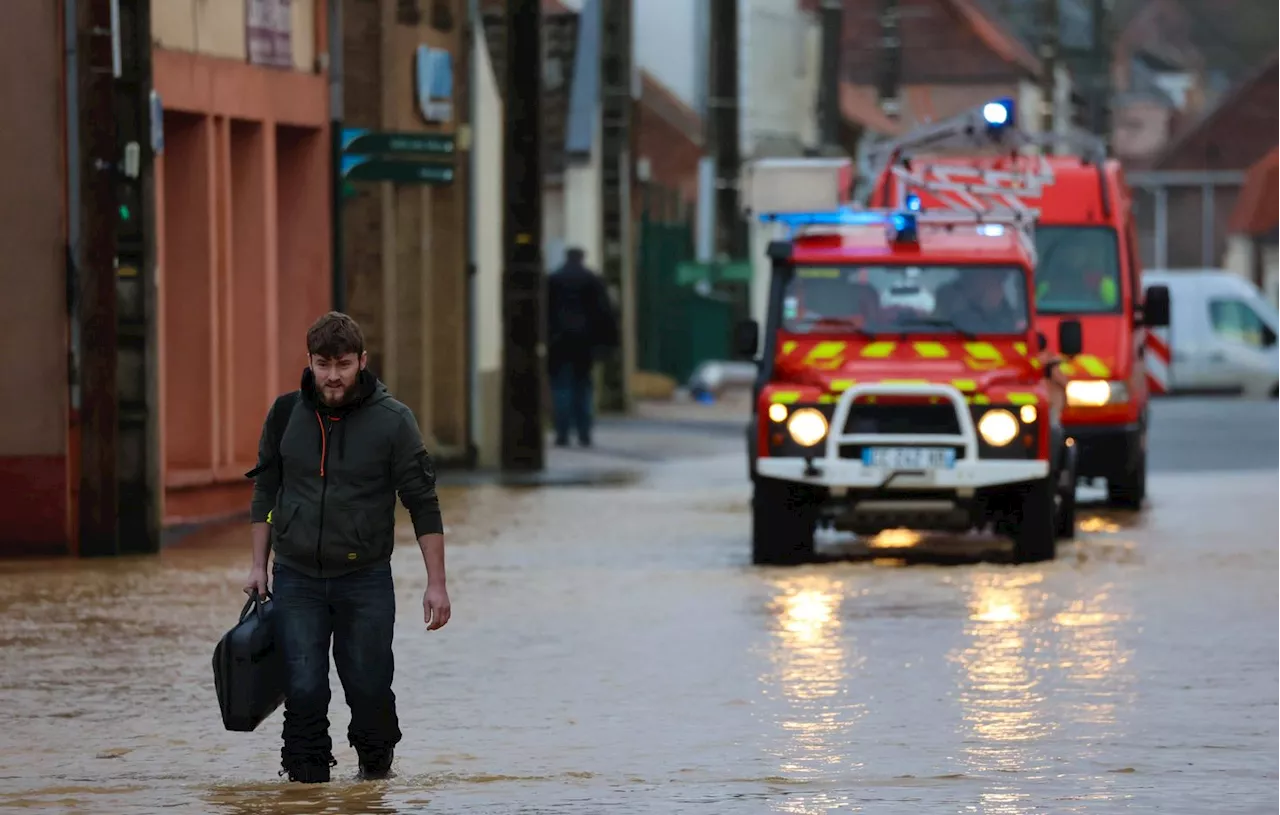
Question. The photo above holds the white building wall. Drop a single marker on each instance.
(779, 52)
(490, 211)
(582, 202)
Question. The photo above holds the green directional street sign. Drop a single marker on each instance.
(360, 141)
(401, 171)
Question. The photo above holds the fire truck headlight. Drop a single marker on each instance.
(998, 427)
(807, 427)
(1096, 393)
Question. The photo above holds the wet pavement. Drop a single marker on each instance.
(612, 651)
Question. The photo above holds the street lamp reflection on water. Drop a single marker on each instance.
(813, 675)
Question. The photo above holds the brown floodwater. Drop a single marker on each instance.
(612, 651)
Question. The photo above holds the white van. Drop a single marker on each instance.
(1222, 333)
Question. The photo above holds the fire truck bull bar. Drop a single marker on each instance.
(830, 469)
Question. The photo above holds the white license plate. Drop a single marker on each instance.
(910, 458)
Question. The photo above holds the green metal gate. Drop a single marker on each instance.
(680, 323)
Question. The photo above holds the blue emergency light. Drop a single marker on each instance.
(998, 114)
(901, 226)
(844, 216)
(913, 202)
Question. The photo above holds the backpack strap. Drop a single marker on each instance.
(281, 413)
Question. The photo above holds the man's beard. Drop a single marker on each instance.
(337, 395)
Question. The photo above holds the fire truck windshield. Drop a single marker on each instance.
(1077, 270)
(968, 300)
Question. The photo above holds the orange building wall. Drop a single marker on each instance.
(34, 475)
(243, 237)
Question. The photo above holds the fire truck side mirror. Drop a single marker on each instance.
(1070, 338)
(746, 339)
(1041, 340)
(1155, 308)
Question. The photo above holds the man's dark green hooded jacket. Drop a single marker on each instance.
(331, 496)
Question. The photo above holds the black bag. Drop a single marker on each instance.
(249, 669)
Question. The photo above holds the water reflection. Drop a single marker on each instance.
(810, 677)
(331, 799)
(1001, 696)
(1038, 683)
(1095, 674)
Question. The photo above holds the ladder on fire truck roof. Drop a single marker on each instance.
(970, 192)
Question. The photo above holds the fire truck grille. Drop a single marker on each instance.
(937, 419)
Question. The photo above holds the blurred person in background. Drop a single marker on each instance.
(580, 325)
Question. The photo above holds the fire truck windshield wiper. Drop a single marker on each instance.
(942, 322)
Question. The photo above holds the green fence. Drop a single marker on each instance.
(685, 313)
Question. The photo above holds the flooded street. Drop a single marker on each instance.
(612, 651)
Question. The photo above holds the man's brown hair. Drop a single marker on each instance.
(335, 335)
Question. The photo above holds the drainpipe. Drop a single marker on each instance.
(336, 46)
(474, 28)
(70, 14)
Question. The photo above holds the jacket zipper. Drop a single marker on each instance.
(324, 486)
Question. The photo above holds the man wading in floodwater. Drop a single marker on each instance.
(325, 504)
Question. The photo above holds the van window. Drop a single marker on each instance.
(1077, 270)
(1235, 320)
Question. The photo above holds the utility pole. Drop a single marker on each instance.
(890, 74)
(615, 191)
(96, 312)
(1100, 87)
(723, 104)
(523, 289)
(1049, 47)
(829, 87)
(135, 390)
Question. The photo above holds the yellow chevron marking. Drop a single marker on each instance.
(827, 399)
(785, 397)
(1021, 348)
(840, 385)
(789, 346)
(983, 350)
(1024, 399)
(825, 350)
(879, 350)
(1093, 366)
(964, 384)
(979, 399)
(931, 350)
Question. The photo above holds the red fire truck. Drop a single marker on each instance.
(1088, 267)
(900, 383)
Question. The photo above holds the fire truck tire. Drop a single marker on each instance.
(1129, 488)
(1035, 540)
(784, 516)
(1065, 518)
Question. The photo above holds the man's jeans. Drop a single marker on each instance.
(571, 392)
(358, 611)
